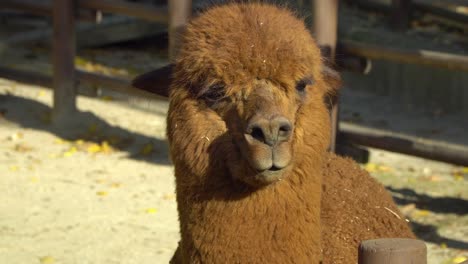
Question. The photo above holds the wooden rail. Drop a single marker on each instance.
(107, 82)
(31, 6)
(44, 8)
(422, 57)
(142, 11)
(418, 5)
(395, 142)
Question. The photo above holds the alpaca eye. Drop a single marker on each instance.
(301, 84)
(214, 93)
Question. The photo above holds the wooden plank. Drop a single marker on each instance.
(325, 30)
(44, 8)
(112, 83)
(424, 5)
(179, 14)
(410, 145)
(142, 11)
(392, 250)
(105, 82)
(112, 30)
(422, 57)
(400, 16)
(26, 76)
(63, 56)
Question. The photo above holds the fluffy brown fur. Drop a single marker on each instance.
(355, 207)
(253, 195)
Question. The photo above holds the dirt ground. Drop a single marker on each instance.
(101, 190)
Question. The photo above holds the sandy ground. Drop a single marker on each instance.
(102, 190)
(67, 196)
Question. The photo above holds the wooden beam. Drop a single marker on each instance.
(105, 82)
(392, 250)
(26, 76)
(112, 83)
(44, 8)
(142, 11)
(179, 14)
(422, 57)
(401, 13)
(325, 30)
(41, 8)
(410, 145)
(423, 5)
(63, 48)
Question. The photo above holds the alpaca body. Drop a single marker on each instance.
(248, 129)
(353, 209)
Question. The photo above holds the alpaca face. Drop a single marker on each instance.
(252, 78)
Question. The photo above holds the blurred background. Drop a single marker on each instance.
(84, 169)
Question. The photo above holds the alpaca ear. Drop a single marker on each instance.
(156, 81)
(333, 80)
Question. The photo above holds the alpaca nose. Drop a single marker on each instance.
(270, 131)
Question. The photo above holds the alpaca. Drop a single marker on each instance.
(248, 128)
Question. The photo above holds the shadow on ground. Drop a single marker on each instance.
(444, 205)
(429, 233)
(84, 125)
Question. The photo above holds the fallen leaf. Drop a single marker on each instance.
(34, 179)
(101, 193)
(147, 149)
(92, 128)
(443, 245)
(151, 210)
(60, 141)
(47, 260)
(371, 167)
(384, 168)
(14, 168)
(168, 196)
(41, 93)
(15, 136)
(94, 148)
(72, 150)
(115, 185)
(459, 259)
(421, 213)
(107, 98)
(22, 148)
(105, 147)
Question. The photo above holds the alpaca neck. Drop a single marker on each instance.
(268, 225)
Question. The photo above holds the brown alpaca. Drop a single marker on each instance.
(248, 129)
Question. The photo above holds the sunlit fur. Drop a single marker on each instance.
(229, 212)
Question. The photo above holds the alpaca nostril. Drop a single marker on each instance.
(257, 133)
(285, 129)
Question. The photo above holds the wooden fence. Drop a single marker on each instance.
(355, 57)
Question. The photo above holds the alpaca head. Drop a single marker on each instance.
(253, 78)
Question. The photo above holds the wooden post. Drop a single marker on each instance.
(63, 45)
(392, 250)
(400, 15)
(325, 29)
(179, 14)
